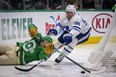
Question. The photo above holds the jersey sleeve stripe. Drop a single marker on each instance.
(76, 27)
(77, 30)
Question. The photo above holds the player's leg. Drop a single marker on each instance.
(4, 60)
(60, 41)
(67, 49)
(3, 48)
(8, 54)
(81, 38)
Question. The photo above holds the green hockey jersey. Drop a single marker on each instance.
(31, 51)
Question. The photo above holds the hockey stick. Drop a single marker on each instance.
(29, 69)
(78, 64)
(74, 62)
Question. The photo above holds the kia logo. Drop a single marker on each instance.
(101, 21)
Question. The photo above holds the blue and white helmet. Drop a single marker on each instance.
(71, 8)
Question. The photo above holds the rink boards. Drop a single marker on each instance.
(14, 24)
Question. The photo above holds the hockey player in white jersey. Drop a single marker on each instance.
(73, 30)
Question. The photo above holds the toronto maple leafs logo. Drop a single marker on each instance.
(77, 23)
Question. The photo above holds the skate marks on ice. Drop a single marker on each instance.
(48, 69)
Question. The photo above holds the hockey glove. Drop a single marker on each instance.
(52, 32)
(67, 38)
(49, 48)
(33, 32)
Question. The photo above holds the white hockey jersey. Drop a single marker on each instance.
(75, 25)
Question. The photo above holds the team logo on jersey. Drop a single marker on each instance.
(29, 46)
(101, 21)
(77, 23)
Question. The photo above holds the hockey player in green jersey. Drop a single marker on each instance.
(37, 48)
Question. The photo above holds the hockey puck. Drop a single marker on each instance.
(83, 72)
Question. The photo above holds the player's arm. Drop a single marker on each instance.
(73, 32)
(33, 32)
(76, 29)
(46, 51)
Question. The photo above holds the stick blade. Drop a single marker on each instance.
(25, 70)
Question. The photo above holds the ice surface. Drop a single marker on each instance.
(49, 69)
